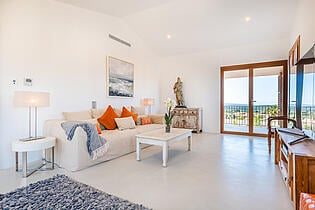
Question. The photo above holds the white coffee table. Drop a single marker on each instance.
(161, 138)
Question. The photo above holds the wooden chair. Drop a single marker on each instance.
(271, 131)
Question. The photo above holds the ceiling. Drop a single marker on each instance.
(200, 25)
(118, 8)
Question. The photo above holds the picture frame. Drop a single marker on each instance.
(120, 78)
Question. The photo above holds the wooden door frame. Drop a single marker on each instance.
(250, 67)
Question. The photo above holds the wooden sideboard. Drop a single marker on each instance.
(190, 118)
(296, 163)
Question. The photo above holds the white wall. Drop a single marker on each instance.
(304, 25)
(200, 73)
(63, 48)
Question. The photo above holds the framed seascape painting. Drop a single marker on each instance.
(120, 78)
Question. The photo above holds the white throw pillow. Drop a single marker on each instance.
(125, 123)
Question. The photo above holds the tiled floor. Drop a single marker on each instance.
(221, 172)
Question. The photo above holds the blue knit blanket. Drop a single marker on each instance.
(96, 144)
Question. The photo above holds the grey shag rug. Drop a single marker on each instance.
(61, 192)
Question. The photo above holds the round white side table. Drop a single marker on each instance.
(29, 146)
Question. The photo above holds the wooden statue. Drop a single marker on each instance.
(178, 90)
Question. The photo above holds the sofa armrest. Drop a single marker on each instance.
(157, 118)
(68, 153)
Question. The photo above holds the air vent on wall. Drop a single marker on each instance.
(119, 40)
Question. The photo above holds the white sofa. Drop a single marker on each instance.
(73, 155)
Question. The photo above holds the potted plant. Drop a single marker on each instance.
(170, 104)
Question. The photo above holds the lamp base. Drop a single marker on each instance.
(32, 138)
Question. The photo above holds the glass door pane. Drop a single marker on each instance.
(308, 99)
(267, 97)
(292, 92)
(236, 89)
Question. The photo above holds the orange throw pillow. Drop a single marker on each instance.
(146, 120)
(98, 128)
(126, 113)
(108, 118)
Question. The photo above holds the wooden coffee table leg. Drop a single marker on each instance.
(138, 150)
(189, 143)
(165, 154)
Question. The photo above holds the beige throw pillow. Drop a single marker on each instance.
(96, 113)
(125, 123)
(117, 111)
(140, 110)
(72, 116)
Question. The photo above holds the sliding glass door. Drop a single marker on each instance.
(267, 97)
(236, 116)
(251, 93)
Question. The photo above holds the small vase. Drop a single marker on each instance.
(168, 128)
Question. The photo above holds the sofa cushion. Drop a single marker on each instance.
(108, 118)
(124, 123)
(72, 116)
(126, 113)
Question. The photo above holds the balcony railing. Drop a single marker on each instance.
(307, 115)
(238, 115)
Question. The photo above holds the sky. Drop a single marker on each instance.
(265, 90)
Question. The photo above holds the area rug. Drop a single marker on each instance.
(61, 192)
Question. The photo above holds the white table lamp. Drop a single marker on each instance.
(149, 102)
(31, 100)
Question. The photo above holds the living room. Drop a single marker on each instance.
(64, 48)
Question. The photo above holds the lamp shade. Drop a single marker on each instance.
(148, 101)
(31, 99)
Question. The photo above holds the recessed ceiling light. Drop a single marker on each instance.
(247, 18)
(168, 36)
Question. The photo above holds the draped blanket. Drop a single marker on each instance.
(96, 144)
